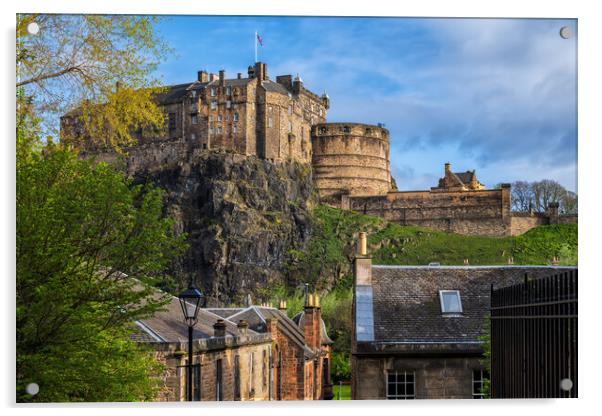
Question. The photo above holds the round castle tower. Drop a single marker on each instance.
(350, 159)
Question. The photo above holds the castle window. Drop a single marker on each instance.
(270, 122)
(219, 130)
(193, 118)
(213, 105)
(321, 112)
(235, 118)
(171, 121)
(213, 92)
(290, 109)
(228, 104)
(290, 126)
(229, 90)
(211, 131)
(219, 117)
(478, 381)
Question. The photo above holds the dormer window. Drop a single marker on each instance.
(450, 301)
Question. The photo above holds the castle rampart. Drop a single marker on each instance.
(350, 159)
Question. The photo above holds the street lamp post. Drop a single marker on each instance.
(190, 301)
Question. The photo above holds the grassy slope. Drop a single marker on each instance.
(393, 244)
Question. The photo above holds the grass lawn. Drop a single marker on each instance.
(345, 392)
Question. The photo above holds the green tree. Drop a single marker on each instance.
(89, 247)
(74, 64)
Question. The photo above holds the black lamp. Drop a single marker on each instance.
(190, 301)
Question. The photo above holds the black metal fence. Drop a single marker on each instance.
(534, 338)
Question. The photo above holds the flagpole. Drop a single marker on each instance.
(255, 46)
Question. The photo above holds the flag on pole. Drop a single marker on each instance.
(259, 39)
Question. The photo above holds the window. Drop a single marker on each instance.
(264, 371)
(171, 121)
(213, 92)
(251, 392)
(219, 117)
(193, 118)
(400, 385)
(219, 130)
(270, 109)
(218, 380)
(235, 118)
(478, 381)
(229, 90)
(213, 105)
(234, 129)
(193, 93)
(290, 110)
(228, 104)
(192, 137)
(450, 301)
(193, 107)
(211, 131)
(236, 377)
(290, 126)
(270, 122)
(210, 118)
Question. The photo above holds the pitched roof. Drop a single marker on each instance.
(465, 177)
(169, 325)
(406, 305)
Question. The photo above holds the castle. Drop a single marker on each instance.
(283, 121)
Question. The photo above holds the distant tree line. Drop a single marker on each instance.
(536, 196)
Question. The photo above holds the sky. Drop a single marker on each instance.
(495, 95)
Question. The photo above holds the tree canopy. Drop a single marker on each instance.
(89, 247)
(76, 63)
(536, 196)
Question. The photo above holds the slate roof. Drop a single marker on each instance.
(175, 93)
(169, 325)
(465, 177)
(406, 304)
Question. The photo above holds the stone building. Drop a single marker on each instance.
(253, 115)
(253, 353)
(416, 329)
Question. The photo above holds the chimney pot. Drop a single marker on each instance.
(448, 167)
(219, 328)
(243, 327)
(362, 248)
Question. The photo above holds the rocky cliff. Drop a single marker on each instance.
(243, 215)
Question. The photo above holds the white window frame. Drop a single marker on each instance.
(228, 104)
(235, 117)
(219, 130)
(454, 291)
(290, 126)
(478, 394)
(213, 91)
(394, 395)
(213, 105)
(211, 131)
(219, 117)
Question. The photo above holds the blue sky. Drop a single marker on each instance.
(495, 95)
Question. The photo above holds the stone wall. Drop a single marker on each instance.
(350, 158)
(435, 378)
(483, 212)
(523, 222)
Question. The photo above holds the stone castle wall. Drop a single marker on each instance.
(483, 212)
(350, 158)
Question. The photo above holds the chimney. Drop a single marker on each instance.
(272, 325)
(222, 77)
(212, 77)
(311, 322)
(362, 264)
(219, 328)
(243, 327)
(286, 81)
(261, 71)
(239, 75)
(297, 84)
(202, 76)
(447, 168)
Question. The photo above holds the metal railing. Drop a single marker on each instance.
(534, 338)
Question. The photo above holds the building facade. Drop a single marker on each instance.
(240, 354)
(416, 329)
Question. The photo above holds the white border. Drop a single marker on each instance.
(590, 35)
